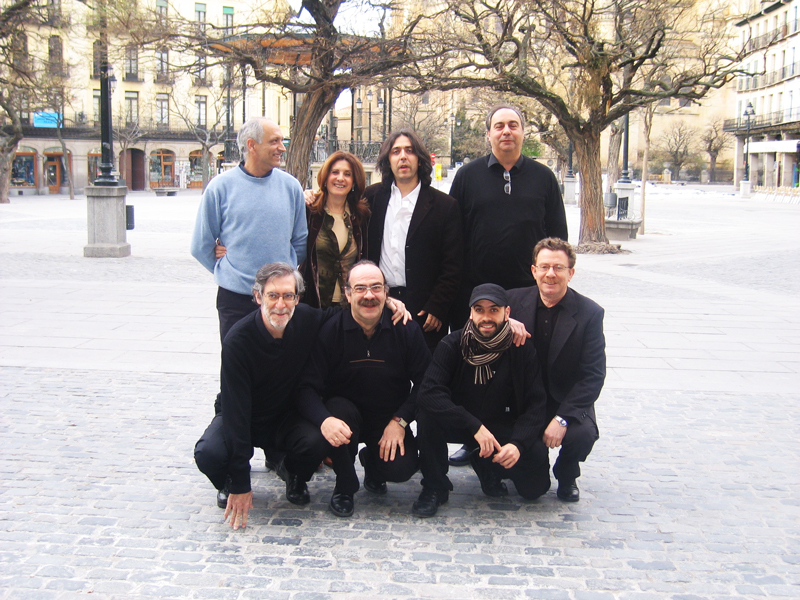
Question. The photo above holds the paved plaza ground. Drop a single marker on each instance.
(109, 367)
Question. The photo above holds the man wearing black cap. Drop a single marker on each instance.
(484, 392)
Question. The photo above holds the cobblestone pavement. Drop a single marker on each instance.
(108, 371)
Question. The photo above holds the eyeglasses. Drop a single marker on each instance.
(545, 268)
(375, 288)
(287, 298)
(507, 186)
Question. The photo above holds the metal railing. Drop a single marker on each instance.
(366, 152)
(777, 117)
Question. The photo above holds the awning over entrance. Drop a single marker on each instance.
(782, 146)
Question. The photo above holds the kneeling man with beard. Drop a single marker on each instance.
(486, 393)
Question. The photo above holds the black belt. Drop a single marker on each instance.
(398, 292)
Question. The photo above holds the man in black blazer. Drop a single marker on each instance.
(415, 234)
(567, 330)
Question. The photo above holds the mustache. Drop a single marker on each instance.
(281, 311)
(369, 302)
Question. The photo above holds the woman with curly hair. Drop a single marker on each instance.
(337, 229)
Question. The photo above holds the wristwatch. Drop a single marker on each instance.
(402, 421)
(561, 421)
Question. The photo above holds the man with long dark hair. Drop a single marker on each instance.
(415, 233)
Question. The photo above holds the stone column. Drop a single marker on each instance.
(105, 224)
(570, 184)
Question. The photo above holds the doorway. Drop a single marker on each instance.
(52, 173)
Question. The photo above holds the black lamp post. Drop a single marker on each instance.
(570, 172)
(107, 177)
(451, 121)
(369, 118)
(625, 176)
(381, 108)
(359, 105)
(749, 111)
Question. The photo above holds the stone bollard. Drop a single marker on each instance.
(105, 222)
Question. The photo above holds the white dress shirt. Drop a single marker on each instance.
(395, 231)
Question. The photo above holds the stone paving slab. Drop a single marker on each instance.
(687, 495)
(108, 369)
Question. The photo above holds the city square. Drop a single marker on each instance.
(109, 368)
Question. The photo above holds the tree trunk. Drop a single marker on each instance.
(204, 163)
(306, 124)
(593, 224)
(712, 168)
(10, 135)
(66, 163)
(614, 145)
(648, 126)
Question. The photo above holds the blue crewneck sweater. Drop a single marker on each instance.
(258, 219)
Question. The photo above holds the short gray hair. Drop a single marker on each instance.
(497, 107)
(253, 129)
(272, 271)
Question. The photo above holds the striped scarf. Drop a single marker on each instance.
(480, 352)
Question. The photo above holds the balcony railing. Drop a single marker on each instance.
(779, 117)
(762, 80)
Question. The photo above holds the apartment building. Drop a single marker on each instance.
(168, 107)
(768, 95)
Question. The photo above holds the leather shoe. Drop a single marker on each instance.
(460, 458)
(568, 491)
(222, 495)
(429, 502)
(342, 505)
(371, 483)
(296, 489)
(491, 484)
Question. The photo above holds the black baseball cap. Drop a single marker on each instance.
(489, 291)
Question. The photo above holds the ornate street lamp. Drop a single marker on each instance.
(107, 177)
(749, 111)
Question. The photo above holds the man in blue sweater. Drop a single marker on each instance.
(257, 212)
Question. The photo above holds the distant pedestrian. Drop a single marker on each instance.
(256, 213)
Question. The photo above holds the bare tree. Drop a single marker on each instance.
(427, 114)
(309, 53)
(647, 116)
(677, 146)
(588, 63)
(205, 120)
(17, 80)
(714, 141)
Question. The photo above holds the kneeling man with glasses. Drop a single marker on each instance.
(357, 388)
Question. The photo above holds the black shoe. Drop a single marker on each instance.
(460, 458)
(491, 484)
(296, 489)
(371, 483)
(568, 491)
(342, 505)
(273, 458)
(429, 502)
(222, 495)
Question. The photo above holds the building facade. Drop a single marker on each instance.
(168, 107)
(768, 96)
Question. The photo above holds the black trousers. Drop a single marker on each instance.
(231, 308)
(575, 447)
(300, 439)
(402, 468)
(531, 475)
